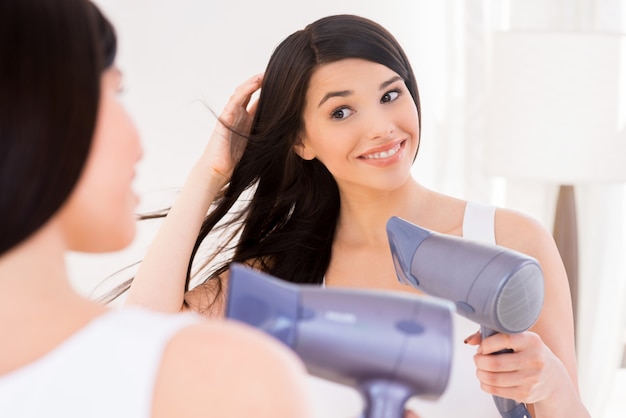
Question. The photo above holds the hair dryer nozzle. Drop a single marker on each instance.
(404, 238)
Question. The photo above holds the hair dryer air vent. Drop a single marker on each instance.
(519, 297)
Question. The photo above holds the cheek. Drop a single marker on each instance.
(332, 143)
(412, 120)
(101, 211)
(100, 214)
(410, 124)
(114, 203)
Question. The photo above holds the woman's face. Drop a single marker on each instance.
(361, 123)
(100, 213)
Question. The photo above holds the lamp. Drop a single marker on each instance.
(557, 113)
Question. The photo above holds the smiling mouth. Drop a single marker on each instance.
(383, 154)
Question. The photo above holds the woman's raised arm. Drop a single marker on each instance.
(160, 280)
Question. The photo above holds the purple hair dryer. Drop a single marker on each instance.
(387, 345)
(500, 289)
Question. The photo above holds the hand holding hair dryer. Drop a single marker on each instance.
(387, 345)
(500, 289)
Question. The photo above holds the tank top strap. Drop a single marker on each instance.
(479, 222)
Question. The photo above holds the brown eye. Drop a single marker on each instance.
(341, 113)
(390, 96)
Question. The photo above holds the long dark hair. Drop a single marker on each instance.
(287, 228)
(52, 55)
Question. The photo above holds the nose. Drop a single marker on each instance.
(379, 125)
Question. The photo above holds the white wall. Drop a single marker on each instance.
(181, 57)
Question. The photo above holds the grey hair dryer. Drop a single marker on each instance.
(500, 289)
(387, 345)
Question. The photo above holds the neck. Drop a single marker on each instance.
(33, 275)
(38, 307)
(364, 214)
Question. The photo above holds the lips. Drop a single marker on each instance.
(385, 152)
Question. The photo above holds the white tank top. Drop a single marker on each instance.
(463, 396)
(106, 369)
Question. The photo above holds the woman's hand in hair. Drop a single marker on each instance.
(228, 140)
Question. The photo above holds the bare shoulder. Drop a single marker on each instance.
(523, 233)
(229, 370)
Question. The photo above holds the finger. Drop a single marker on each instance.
(241, 97)
(253, 107)
(516, 342)
(255, 85)
(473, 339)
(514, 392)
(519, 386)
(499, 363)
(497, 342)
(245, 90)
(496, 382)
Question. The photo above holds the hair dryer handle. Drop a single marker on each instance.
(508, 408)
(385, 398)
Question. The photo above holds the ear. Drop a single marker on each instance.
(303, 151)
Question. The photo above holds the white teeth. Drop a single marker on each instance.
(384, 154)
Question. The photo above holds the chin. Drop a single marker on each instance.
(105, 240)
(120, 241)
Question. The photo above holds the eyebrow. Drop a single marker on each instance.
(345, 93)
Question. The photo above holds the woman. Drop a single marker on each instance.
(62, 130)
(327, 162)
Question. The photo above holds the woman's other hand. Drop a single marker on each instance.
(531, 373)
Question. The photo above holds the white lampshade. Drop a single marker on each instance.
(557, 108)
